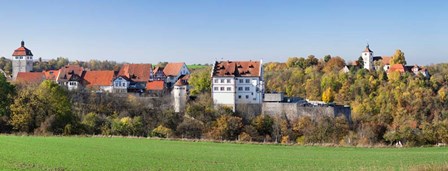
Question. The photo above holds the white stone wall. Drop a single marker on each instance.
(180, 98)
(21, 64)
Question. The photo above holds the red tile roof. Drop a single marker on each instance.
(51, 74)
(386, 60)
(397, 67)
(173, 69)
(237, 68)
(136, 72)
(30, 77)
(98, 78)
(155, 85)
(67, 71)
(22, 51)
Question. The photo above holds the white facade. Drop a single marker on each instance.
(120, 85)
(180, 93)
(232, 90)
(367, 57)
(72, 85)
(224, 91)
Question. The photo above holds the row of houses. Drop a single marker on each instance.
(136, 78)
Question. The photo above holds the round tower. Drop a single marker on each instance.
(180, 94)
(22, 60)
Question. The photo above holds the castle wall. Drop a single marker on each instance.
(294, 110)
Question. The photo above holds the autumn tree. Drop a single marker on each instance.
(48, 102)
(398, 58)
(227, 127)
(328, 95)
(334, 64)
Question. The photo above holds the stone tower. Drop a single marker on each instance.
(22, 60)
(367, 57)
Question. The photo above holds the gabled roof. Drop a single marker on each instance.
(384, 59)
(30, 77)
(155, 85)
(121, 76)
(51, 74)
(397, 67)
(173, 69)
(181, 82)
(237, 68)
(185, 77)
(136, 72)
(66, 72)
(98, 78)
(22, 51)
(156, 69)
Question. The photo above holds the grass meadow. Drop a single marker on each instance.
(94, 153)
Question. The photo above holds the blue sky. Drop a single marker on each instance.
(203, 31)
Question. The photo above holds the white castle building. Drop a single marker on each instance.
(237, 82)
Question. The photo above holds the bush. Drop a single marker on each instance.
(162, 132)
(190, 128)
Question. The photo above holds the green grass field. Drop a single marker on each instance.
(80, 153)
(195, 66)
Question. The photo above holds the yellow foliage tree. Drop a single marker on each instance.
(328, 95)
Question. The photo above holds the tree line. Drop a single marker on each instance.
(386, 108)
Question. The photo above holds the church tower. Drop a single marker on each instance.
(367, 57)
(22, 60)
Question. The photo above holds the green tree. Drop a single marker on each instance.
(200, 81)
(7, 92)
(327, 58)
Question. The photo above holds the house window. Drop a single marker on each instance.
(241, 80)
(116, 85)
(228, 81)
(247, 88)
(247, 81)
(247, 96)
(240, 88)
(239, 96)
(215, 88)
(222, 80)
(229, 89)
(216, 80)
(222, 88)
